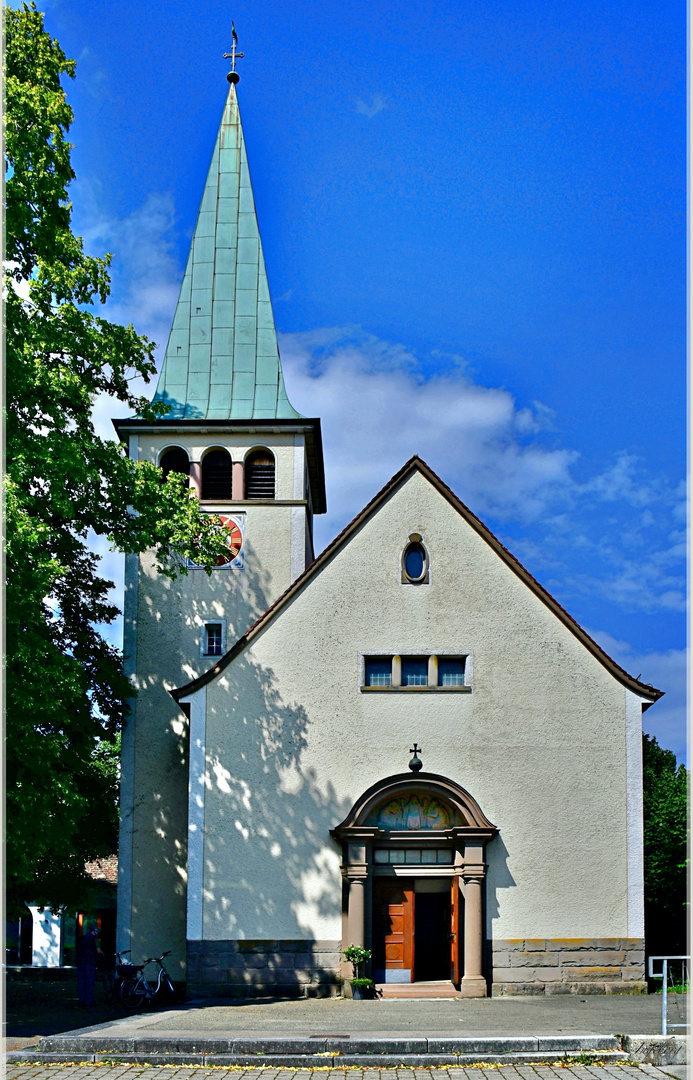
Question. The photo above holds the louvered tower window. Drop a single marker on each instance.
(216, 475)
(259, 475)
(174, 460)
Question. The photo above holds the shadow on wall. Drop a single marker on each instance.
(263, 969)
(170, 618)
(498, 877)
(272, 891)
(269, 854)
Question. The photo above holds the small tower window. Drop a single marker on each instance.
(259, 475)
(213, 639)
(174, 460)
(216, 476)
(415, 562)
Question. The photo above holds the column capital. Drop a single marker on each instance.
(355, 873)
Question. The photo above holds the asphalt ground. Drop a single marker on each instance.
(45, 1007)
(566, 1014)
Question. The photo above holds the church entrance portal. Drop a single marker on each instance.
(412, 937)
(413, 869)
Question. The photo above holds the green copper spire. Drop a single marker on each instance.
(222, 360)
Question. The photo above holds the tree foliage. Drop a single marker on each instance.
(665, 811)
(65, 684)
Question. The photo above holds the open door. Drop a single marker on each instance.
(393, 931)
(455, 931)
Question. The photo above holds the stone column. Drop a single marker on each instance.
(473, 982)
(357, 909)
(356, 873)
(238, 482)
(196, 477)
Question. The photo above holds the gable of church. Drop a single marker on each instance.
(291, 734)
(469, 575)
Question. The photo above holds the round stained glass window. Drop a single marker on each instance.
(414, 562)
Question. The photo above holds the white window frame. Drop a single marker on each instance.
(203, 638)
(402, 654)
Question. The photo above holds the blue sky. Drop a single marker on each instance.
(473, 219)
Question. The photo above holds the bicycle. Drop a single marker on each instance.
(135, 990)
(109, 972)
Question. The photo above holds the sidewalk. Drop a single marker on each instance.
(309, 1033)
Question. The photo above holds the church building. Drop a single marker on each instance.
(405, 743)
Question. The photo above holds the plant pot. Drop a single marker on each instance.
(357, 995)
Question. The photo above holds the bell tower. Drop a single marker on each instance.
(252, 459)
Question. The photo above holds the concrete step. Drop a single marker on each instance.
(421, 990)
(319, 1050)
(314, 1061)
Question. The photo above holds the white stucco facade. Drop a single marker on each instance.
(285, 739)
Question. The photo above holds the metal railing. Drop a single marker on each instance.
(665, 975)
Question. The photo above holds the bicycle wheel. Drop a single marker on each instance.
(132, 994)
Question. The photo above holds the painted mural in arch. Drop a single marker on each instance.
(412, 810)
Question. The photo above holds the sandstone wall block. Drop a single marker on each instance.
(530, 959)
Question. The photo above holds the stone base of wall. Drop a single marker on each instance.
(520, 966)
(233, 968)
(517, 966)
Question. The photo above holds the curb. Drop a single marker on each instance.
(303, 1060)
(319, 1051)
(658, 1050)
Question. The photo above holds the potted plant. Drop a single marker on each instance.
(360, 987)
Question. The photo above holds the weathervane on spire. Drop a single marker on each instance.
(233, 75)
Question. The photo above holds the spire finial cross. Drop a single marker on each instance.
(233, 56)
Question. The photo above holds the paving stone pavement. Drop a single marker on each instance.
(503, 1072)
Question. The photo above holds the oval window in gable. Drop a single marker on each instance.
(415, 562)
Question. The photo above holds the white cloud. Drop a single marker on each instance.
(378, 409)
(372, 108)
(144, 271)
(145, 279)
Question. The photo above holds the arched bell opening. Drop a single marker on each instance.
(260, 474)
(216, 476)
(414, 871)
(174, 459)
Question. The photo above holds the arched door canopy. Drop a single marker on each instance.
(467, 818)
(419, 810)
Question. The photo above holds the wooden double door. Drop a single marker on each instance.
(416, 932)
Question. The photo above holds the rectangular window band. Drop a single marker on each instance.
(415, 672)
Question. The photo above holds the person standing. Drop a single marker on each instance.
(87, 952)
